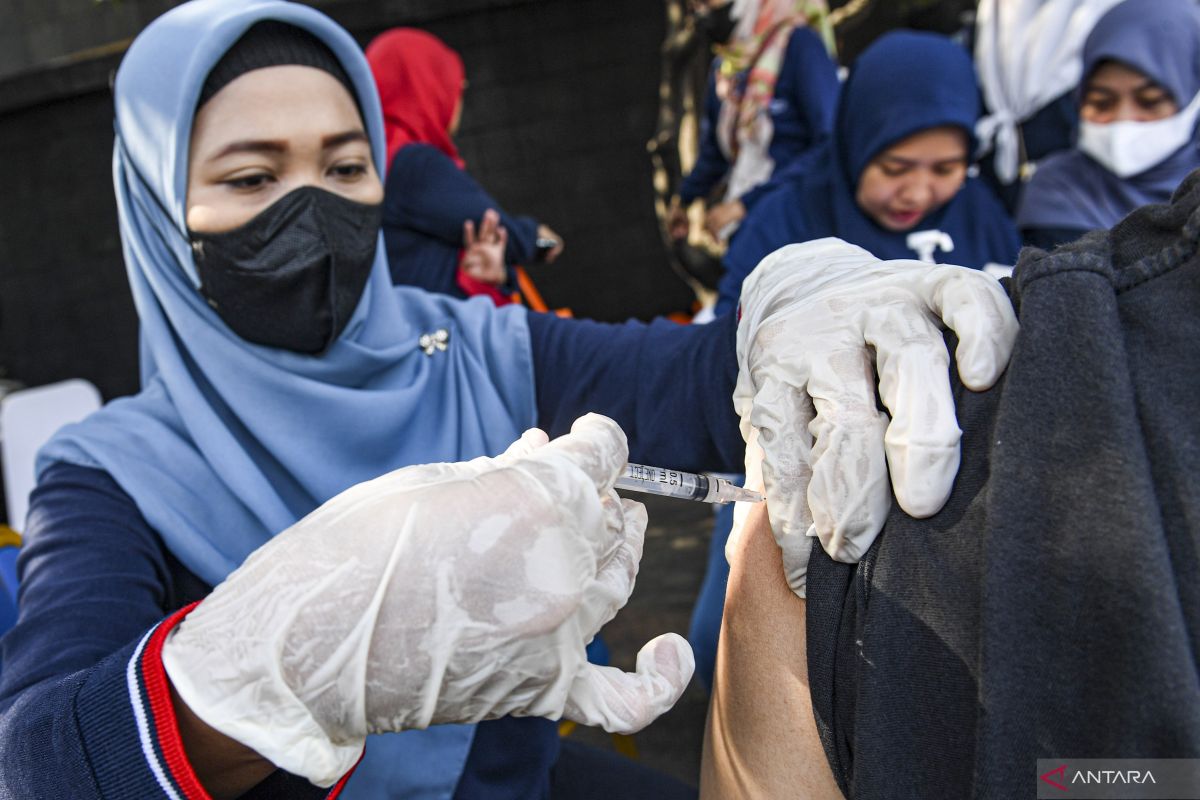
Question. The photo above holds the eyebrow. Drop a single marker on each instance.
(1153, 87)
(339, 139)
(908, 162)
(1149, 85)
(275, 146)
(251, 146)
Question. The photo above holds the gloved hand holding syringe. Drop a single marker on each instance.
(437, 593)
(684, 485)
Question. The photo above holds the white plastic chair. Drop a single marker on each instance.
(28, 418)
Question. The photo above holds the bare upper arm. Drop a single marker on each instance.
(761, 737)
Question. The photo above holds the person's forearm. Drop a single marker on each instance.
(761, 738)
(226, 767)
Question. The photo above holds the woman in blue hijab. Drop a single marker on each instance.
(894, 179)
(1138, 108)
(280, 368)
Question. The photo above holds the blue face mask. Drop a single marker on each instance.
(292, 276)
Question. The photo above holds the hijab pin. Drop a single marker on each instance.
(431, 342)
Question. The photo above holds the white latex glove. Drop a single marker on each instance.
(434, 594)
(816, 318)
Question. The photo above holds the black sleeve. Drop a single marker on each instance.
(669, 386)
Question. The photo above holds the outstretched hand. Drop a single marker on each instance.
(483, 251)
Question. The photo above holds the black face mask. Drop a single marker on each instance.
(717, 24)
(292, 276)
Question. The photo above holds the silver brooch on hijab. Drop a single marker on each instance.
(433, 342)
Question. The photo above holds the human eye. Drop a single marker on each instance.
(893, 169)
(1099, 103)
(249, 183)
(1152, 100)
(348, 171)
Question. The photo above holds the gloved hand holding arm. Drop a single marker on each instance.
(434, 594)
(818, 319)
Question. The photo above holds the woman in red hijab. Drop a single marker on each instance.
(431, 205)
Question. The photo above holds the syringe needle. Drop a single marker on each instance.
(726, 492)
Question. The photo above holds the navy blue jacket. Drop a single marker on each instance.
(801, 113)
(425, 202)
(84, 704)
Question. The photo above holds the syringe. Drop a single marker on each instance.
(684, 485)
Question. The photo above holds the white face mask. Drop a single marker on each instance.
(1130, 148)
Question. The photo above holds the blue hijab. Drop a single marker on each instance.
(1070, 190)
(904, 83)
(228, 442)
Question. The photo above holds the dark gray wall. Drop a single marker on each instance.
(34, 33)
(561, 101)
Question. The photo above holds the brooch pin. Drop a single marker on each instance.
(431, 342)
